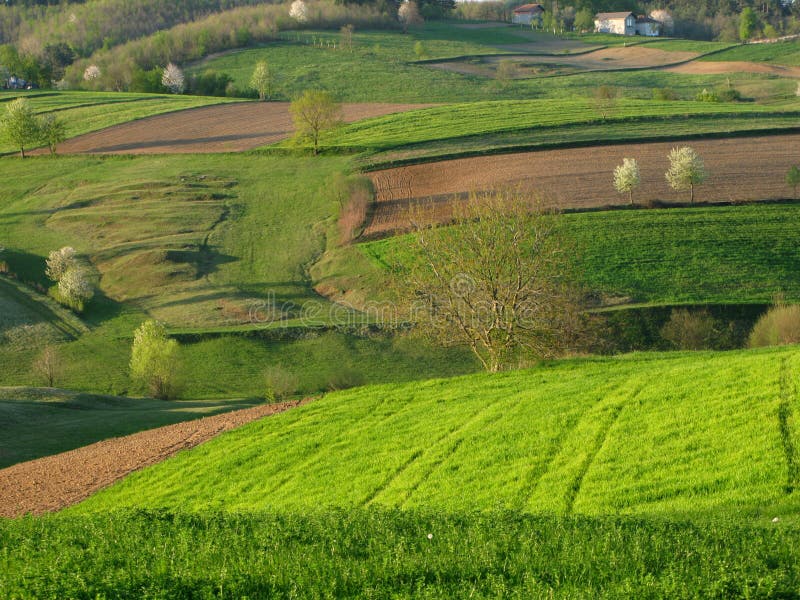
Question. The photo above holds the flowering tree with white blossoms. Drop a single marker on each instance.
(59, 262)
(172, 79)
(298, 11)
(626, 177)
(91, 73)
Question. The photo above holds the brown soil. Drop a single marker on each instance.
(223, 128)
(721, 68)
(631, 57)
(740, 169)
(55, 482)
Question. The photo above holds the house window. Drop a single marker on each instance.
(630, 22)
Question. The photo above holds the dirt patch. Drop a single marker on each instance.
(223, 128)
(56, 482)
(721, 68)
(632, 57)
(740, 169)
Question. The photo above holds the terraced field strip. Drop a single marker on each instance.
(723, 67)
(740, 169)
(224, 128)
(639, 434)
(55, 482)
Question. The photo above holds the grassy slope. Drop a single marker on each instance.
(40, 422)
(642, 435)
(779, 53)
(722, 254)
(528, 116)
(216, 236)
(382, 67)
(89, 111)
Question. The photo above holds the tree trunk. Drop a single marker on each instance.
(630, 196)
(691, 192)
(22, 151)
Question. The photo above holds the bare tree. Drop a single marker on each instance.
(408, 14)
(346, 33)
(48, 365)
(498, 280)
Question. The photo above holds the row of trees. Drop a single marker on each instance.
(22, 128)
(686, 170)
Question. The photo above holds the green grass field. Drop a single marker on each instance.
(722, 254)
(670, 436)
(778, 53)
(382, 554)
(36, 422)
(219, 237)
(84, 112)
(471, 120)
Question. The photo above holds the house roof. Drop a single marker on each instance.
(646, 19)
(610, 16)
(529, 8)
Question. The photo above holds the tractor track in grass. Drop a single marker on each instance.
(234, 127)
(55, 482)
(741, 169)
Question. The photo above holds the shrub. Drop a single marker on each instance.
(665, 94)
(729, 95)
(279, 383)
(345, 379)
(778, 326)
(707, 96)
(355, 202)
(75, 285)
(688, 330)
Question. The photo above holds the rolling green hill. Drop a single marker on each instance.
(668, 436)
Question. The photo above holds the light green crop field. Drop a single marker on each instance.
(683, 434)
(492, 118)
(37, 422)
(778, 53)
(83, 112)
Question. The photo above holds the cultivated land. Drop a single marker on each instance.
(225, 128)
(686, 434)
(90, 111)
(660, 475)
(52, 483)
(741, 169)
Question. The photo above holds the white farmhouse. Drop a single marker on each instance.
(626, 23)
(528, 14)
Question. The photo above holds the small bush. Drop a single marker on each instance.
(688, 330)
(729, 95)
(345, 379)
(279, 384)
(353, 214)
(778, 326)
(665, 94)
(707, 96)
(74, 304)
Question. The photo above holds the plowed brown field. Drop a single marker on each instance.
(222, 128)
(55, 482)
(699, 67)
(740, 169)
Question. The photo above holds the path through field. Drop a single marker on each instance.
(55, 482)
(223, 128)
(740, 169)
